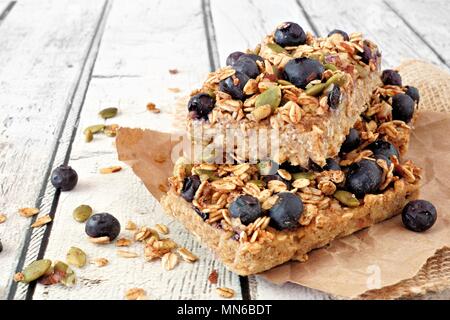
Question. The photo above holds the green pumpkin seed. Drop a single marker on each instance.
(271, 96)
(88, 136)
(96, 128)
(284, 82)
(262, 112)
(206, 175)
(267, 167)
(346, 198)
(329, 66)
(276, 48)
(303, 175)
(76, 257)
(108, 113)
(338, 78)
(82, 213)
(259, 183)
(316, 89)
(68, 275)
(35, 270)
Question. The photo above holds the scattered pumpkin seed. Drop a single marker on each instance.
(330, 66)
(96, 128)
(34, 271)
(271, 96)
(76, 257)
(284, 82)
(68, 275)
(262, 112)
(303, 175)
(108, 113)
(338, 78)
(346, 198)
(258, 183)
(82, 213)
(316, 89)
(206, 175)
(276, 48)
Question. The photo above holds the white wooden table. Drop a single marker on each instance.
(61, 61)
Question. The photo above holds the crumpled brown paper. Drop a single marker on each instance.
(387, 256)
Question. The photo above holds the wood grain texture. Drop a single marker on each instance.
(377, 22)
(140, 44)
(40, 62)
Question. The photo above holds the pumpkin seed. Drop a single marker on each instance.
(330, 66)
(346, 198)
(206, 175)
(68, 275)
(259, 183)
(271, 96)
(108, 113)
(276, 48)
(303, 175)
(338, 78)
(316, 89)
(76, 257)
(88, 136)
(284, 82)
(35, 270)
(82, 213)
(96, 128)
(262, 112)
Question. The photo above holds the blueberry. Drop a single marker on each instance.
(352, 141)
(233, 57)
(190, 186)
(332, 164)
(286, 211)
(391, 77)
(200, 106)
(363, 177)
(253, 56)
(246, 65)
(290, 34)
(247, 208)
(301, 71)
(366, 54)
(314, 166)
(383, 149)
(289, 167)
(234, 89)
(342, 33)
(419, 215)
(402, 107)
(413, 92)
(64, 178)
(334, 97)
(102, 225)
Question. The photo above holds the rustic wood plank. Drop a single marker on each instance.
(131, 70)
(378, 23)
(40, 62)
(429, 20)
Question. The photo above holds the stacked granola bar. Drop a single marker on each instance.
(340, 129)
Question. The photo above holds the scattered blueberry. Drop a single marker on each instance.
(286, 211)
(289, 167)
(102, 225)
(64, 178)
(352, 141)
(419, 215)
(384, 150)
(363, 177)
(290, 34)
(233, 57)
(234, 90)
(253, 56)
(334, 97)
(342, 33)
(190, 186)
(246, 65)
(366, 55)
(332, 164)
(413, 92)
(200, 106)
(203, 215)
(301, 71)
(247, 208)
(402, 107)
(391, 77)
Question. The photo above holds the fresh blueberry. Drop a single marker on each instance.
(419, 215)
(352, 141)
(363, 177)
(334, 97)
(200, 106)
(332, 164)
(413, 92)
(289, 167)
(247, 208)
(383, 150)
(202, 215)
(253, 56)
(391, 77)
(290, 34)
(190, 186)
(64, 178)
(342, 33)
(286, 211)
(233, 57)
(366, 54)
(246, 65)
(301, 71)
(234, 88)
(402, 107)
(102, 225)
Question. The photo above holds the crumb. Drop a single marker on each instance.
(173, 71)
(213, 277)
